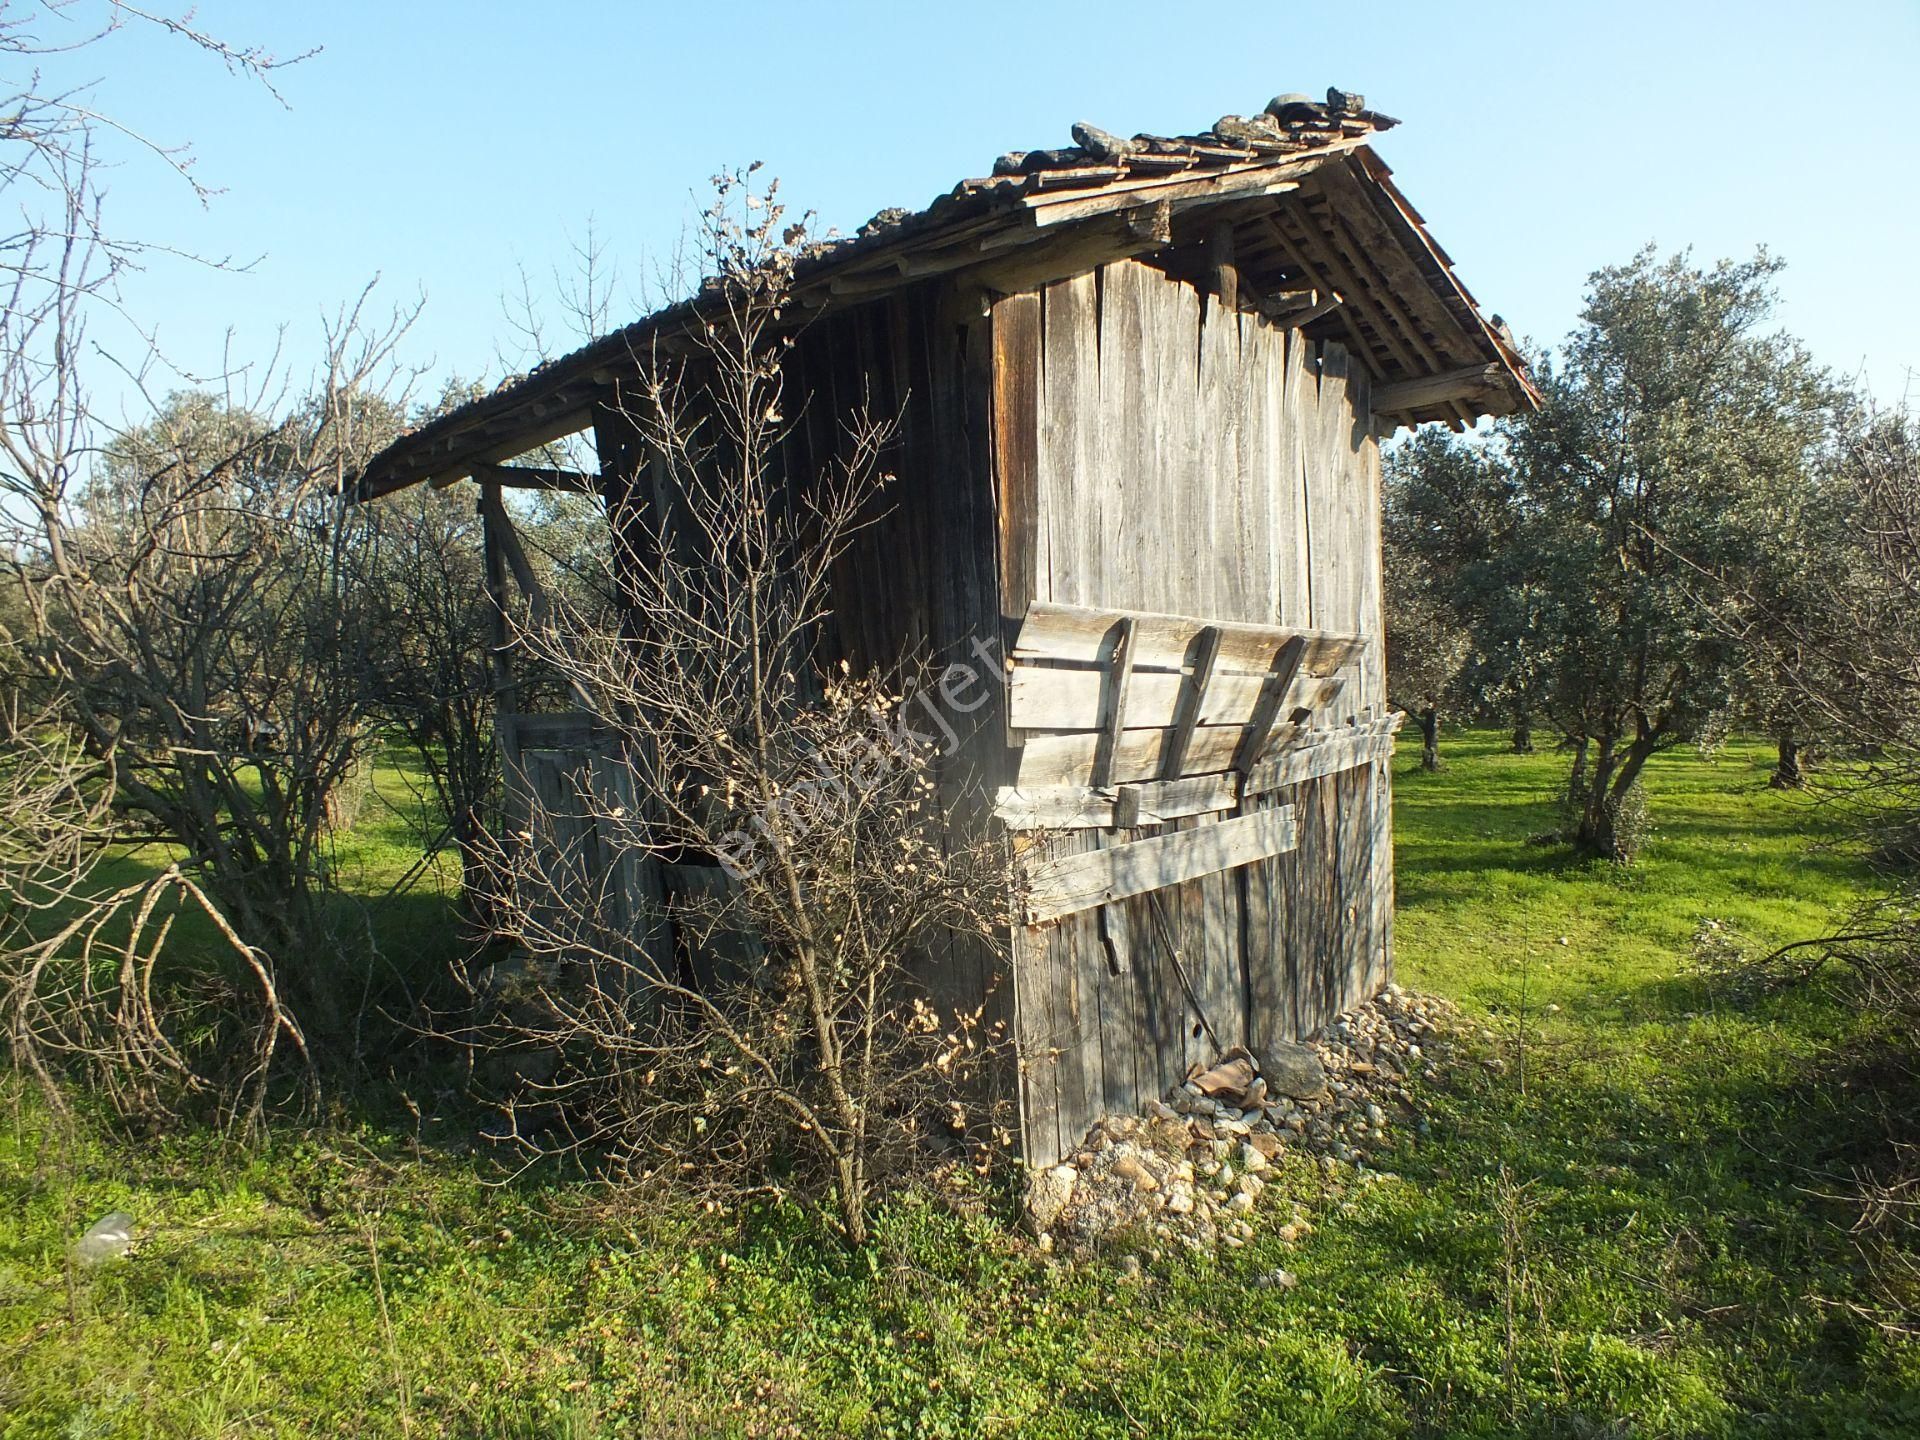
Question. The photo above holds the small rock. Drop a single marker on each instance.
(1129, 1267)
(1252, 1157)
(1049, 1192)
(1294, 1070)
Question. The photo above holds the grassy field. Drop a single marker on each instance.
(1617, 1232)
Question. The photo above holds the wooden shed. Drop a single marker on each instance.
(1140, 386)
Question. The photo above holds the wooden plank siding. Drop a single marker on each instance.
(1115, 441)
(1157, 453)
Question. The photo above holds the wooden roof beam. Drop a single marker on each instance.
(531, 435)
(1293, 253)
(539, 477)
(1473, 384)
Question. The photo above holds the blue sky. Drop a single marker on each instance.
(443, 146)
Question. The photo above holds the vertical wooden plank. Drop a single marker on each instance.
(1034, 1041)
(1314, 938)
(1380, 825)
(1116, 986)
(1183, 571)
(1356, 914)
(1013, 342)
(1133, 481)
(1077, 962)
(1069, 489)
(1016, 453)
(1222, 988)
(1087, 978)
(1217, 417)
(1254, 465)
(1364, 456)
(1293, 515)
(1270, 1000)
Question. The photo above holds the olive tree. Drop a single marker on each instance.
(1678, 443)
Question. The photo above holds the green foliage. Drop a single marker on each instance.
(1622, 1165)
(1592, 545)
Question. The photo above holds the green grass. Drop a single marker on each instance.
(1613, 1234)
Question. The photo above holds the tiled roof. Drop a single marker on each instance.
(1239, 156)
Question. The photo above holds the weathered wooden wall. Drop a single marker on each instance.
(1115, 441)
(917, 585)
(1156, 453)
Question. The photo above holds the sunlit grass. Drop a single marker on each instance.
(1668, 1272)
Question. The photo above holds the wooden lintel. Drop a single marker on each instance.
(1472, 383)
(539, 477)
(1072, 883)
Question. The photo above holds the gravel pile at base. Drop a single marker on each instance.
(1193, 1168)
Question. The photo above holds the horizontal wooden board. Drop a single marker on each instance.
(1044, 698)
(1072, 883)
(1328, 757)
(1157, 801)
(1068, 759)
(1161, 642)
(1081, 807)
(573, 731)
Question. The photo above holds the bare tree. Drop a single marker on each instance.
(183, 649)
(430, 671)
(186, 619)
(796, 805)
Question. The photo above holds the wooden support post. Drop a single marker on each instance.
(1207, 654)
(1119, 680)
(506, 542)
(1266, 710)
(494, 572)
